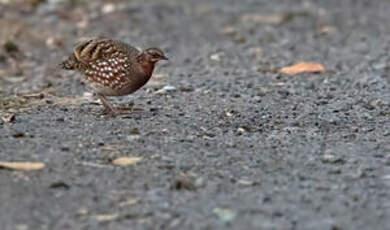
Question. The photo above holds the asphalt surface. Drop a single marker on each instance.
(226, 140)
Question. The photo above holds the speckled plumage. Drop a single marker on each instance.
(111, 67)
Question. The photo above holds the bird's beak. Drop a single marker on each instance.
(164, 58)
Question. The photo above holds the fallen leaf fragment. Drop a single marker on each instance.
(112, 149)
(124, 161)
(241, 130)
(53, 43)
(106, 218)
(108, 8)
(34, 96)
(215, 57)
(302, 67)
(245, 182)
(21, 227)
(327, 30)
(263, 18)
(129, 202)
(332, 159)
(23, 166)
(229, 114)
(224, 214)
(159, 75)
(228, 30)
(386, 177)
(8, 117)
(166, 89)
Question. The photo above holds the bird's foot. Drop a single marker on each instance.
(120, 110)
(129, 108)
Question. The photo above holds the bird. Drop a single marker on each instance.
(112, 67)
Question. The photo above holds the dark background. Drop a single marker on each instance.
(226, 140)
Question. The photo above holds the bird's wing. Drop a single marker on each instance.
(91, 49)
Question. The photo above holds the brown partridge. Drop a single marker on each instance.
(112, 68)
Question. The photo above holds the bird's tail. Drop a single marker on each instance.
(70, 63)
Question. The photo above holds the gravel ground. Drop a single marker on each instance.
(226, 140)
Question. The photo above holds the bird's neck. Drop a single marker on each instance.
(147, 67)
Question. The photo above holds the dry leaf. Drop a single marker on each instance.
(159, 75)
(14, 79)
(215, 57)
(129, 202)
(108, 8)
(224, 214)
(82, 211)
(228, 30)
(23, 166)
(124, 161)
(245, 182)
(54, 43)
(34, 96)
(326, 30)
(303, 67)
(229, 114)
(280, 84)
(166, 89)
(21, 227)
(241, 130)
(257, 51)
(106, 218)
(263, 18)
(113, 149)
(8, 117)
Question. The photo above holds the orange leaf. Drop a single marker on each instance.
(124, 161)
(303, 67)
(23, 166)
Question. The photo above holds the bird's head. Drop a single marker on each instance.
(153, 55)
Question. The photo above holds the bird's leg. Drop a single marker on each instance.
(108, 108)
